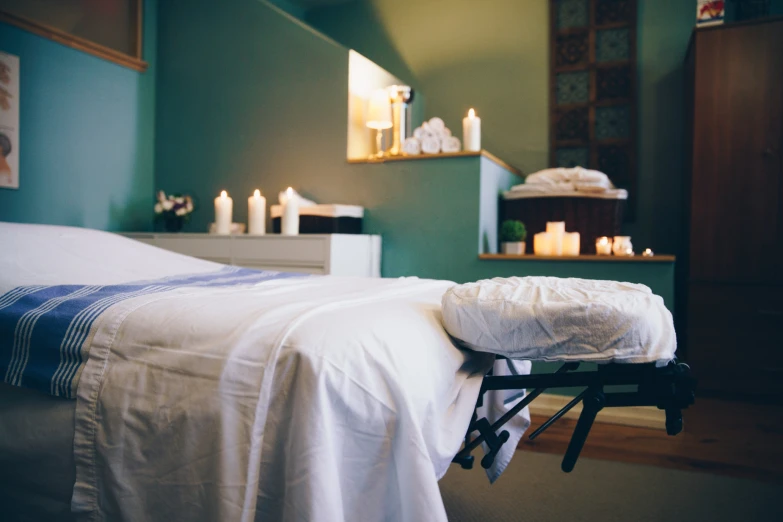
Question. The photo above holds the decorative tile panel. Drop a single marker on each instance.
(572, 49)
(612, 45)
(573, 157)
(613, 12)
(613, 83)
(572, 13)
(612, 122)
(572, 125)
(573, 87)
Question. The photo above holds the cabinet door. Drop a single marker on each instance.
(737, 136)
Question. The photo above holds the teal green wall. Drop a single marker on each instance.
(493, 55)
(86, 135)
(275, 115)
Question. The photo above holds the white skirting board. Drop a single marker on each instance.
(548, 404)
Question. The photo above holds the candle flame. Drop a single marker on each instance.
(223, 194)
(289, 191)
(471, 113)
(257, 193)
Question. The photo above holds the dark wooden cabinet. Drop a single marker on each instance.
(734, 281)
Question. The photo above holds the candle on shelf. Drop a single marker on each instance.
(542, 244)
(289, 222)
(224, 208)
(603, 246)
(556, 229)
(256, 214)
(471, 132)
(571, 244)
(648, 252)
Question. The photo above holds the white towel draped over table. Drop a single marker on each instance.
(312, 398)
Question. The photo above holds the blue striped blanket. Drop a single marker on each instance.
(43, 329)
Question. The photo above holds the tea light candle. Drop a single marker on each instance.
(647, 252)
(603, 246)
(256, 214)
(471, 132)
(542, 244)
(289, 221)
(571, 244)
(556, 229)
(224, 208)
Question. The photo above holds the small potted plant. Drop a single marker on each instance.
(173, 211)
(512, 237)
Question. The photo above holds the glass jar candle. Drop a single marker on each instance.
(622, 246)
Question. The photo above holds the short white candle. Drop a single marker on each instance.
(542, 244)
(289, 222)
(648, 252)
(557, 230)
(224, 209)
(603, 246)
(471, 132)
(256, 214)
(571, 244)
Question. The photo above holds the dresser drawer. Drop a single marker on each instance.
(213, 248)
(280, 251)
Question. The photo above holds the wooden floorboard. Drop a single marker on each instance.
(721, 437)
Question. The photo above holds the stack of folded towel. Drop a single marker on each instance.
(569, 181)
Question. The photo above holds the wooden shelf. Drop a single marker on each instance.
(462, 154)
(612, 259)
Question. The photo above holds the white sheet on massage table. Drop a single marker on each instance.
(556, 319)
(367, 402)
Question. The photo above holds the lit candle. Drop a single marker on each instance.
(542, 244)
(647, 252)
(289, 222)
(603, 246)
(556, 229)
(571, 244)
(256, 214)
(471, 132)
(224, 208)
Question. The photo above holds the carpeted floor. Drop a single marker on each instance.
(533, 489)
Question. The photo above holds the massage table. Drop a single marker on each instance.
(148, 385)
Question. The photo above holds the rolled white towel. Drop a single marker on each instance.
(450, 144)
(430, 145)
(411, 146)
(592, 187)
(436, 125)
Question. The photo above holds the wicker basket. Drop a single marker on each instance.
(592, 217)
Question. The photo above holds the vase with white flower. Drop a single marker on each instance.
(173, 210)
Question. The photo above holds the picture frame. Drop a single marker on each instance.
(114, 33)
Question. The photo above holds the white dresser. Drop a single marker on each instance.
(335, 254)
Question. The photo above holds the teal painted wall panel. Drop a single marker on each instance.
(86, 135)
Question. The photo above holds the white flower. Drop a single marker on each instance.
(190, 206)
(161, 196)
(158, 208)
(181, 212)
(168, 204)
(179, 200)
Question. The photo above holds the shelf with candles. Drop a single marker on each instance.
(657, 258)
(461, 154)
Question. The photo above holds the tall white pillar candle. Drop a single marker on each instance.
(471, 132)
(224, 208)
(542, 244)
(571, 244)
(256, 214)
(557, 229)
(289, 222)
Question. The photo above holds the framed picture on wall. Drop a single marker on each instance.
(109, 29)
(9, 121)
